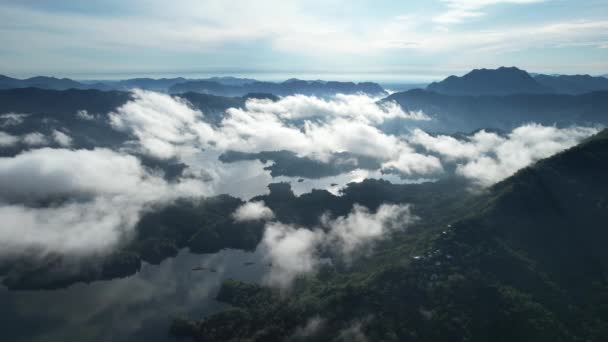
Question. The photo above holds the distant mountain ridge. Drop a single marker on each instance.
(452, 113)
(501, 81)
(573, 84)
(511, 80)
(221, 86)
(289, 87)
(40, 82)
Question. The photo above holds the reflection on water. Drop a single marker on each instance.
(248, 178)
(334, 184)
(138, 308)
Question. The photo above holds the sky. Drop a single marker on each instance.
(378, 40)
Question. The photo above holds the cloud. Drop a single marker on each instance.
(452, 148)
(12, 119)
(35, 139)
(253, 211)
(357, 107)
(73, 229)
(487, 158)
(296, 250)
(62, 139)
(361, 226)
(161, 123)
(37, 174)
(354, 332)
(309, 330)
(292, 251)
(461, 10)
(167, 127)
(8, 139)
(92, 200)
(299, 34)
(84, 115)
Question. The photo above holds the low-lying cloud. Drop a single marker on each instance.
(167, 127)
(487, 158)
(68, 200)
(12, 119)
(294, 250)
(7, 139)
(35, 139)
(76, 201)
(253, 211)
(355, 107)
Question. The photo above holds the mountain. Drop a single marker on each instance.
(467, 113)
(524, 261)
(501, 81)
(574, 84)
(162, 84)
(40, 82)
(289, 87)
(231, 81)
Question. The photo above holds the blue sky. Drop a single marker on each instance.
(273, 39)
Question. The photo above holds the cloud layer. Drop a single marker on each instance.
(96, 196)
(91, 200)
(296, 250)
(167, 127)
(487, 158)
(253, 211)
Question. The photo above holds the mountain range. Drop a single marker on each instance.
(223, 86)
(509, 81)
(289, 87)
(502, 81)
(465, 113)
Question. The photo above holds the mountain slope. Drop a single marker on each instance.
(573, 84)
(40, 82)
(525, 262)
(289, 87)
(501, 81)
(467, 113)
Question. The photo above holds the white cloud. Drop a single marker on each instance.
(296, 250)
(452, 148)
(84, 115)
(12, 119)
(62, 139)
(248, 131)
(201, 32)
(168, 127)
(8, 139)
(356, 107)
(291, 250)
(97, 195)
(361, 226)
(161, 123)
(36, 174)
(73, 229)
(309, 330)
(487, 158)
(253, 211)
(461, 10)
(35, 139)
